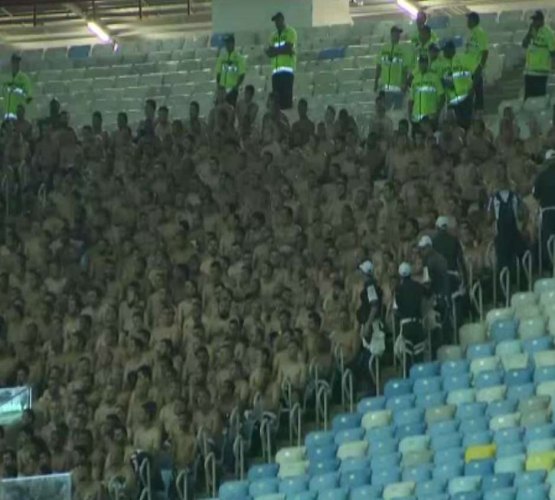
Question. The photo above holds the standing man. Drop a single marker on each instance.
(283, 58)
(477, 51)
(391, 71)
(370, 303)
(458, 83)
(544, 192)
(539, 43)
(16, 89)
(230, 70)
(426, 95)
(408, 305)
(421, 21)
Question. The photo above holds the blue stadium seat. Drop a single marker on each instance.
(532, 346)
(332, 53)
(346, 421)
(323, 466)
(426, 385)
(371, 404)
(431, 400)
(386, 476)
(477, 438)
(294, 484)
(303, 495)
(323, 452)
(354, 463)
(488, 378)
(544, 374)
(263, 471)
(500, 494)
(385, 461)
(508, 435)
(533, 492)
(456, 382)
(409, 416)
(419, 473)
(497, 481)
(368, 492)
(504, 329)
(324, 482)
(479, 467)
(424, 370)
(401, 402)
(502, 407)
(512, 449)
(519, 376)
(448, 471)
(413, 429)
(380, 433)
(449, 455)
(445, 441)
(263, 487)
(518, 392)
(432, 487)
(443, 427)
(334, 494)
(544, 431)
(476, 351)
(354, 478)
(349, 435)
(397, 387)
(234, 490)
(472, 425)
(456, 367)
(467, 495)
(79, 52)
(471, 410)
(529, 478)
(319, 438)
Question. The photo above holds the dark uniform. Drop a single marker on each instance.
(544, 192)
(409, 296)
(371, 297)
(436, 265)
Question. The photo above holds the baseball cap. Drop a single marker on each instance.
(277, 15)
(366, 267)
(425, 241)
(432, 47)
(550, 154)
(405, 270)
(538, 14)
(449, 44)
(474, 16)
(229, 38)
(396, 28)
(442, 222)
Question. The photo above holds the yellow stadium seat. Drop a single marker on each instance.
(479, 452)
(540, 461)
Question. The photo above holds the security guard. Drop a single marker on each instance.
(283, 58)
(421, 22)
(408, 305)
(477, 50)
(436, 279)
(539, 43)
(436, 59)
(544, 192)
(391, 71)
(458, 83)
(421, 45)
(426, 95)
(230, 70)
(371, 297)
(16, 90)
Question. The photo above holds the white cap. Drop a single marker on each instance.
(550, 154)
(366, 267)
(405, 270)
(442, 222)
(425, 241)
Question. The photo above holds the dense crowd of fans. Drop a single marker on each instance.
(155, 279)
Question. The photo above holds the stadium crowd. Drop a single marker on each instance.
(167, 275)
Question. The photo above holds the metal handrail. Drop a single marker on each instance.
(144, 474)
(527, 267)
(476, 296)
(490, 252)
(339, 358)
(322, 404)
(347, 390)
(470, 271)
(182, 484)
(551, 252)
(265, 440)
(314, 371)
(239, 454)
(202, 441)
(295, 424)
(517, 272)
(505, 283)
(235, 422)
(287, 393)
(210, 474)
(42, 195)
(540, 236)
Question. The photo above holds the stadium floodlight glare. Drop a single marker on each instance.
(408, 7)
(99, 32)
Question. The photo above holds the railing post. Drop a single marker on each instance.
(347, 390)
(517, 274)
(551, 252)
(265, 440)
(210, 474)
(182, 485)
(493, 260)
(144, 473)
(527, 268)
(322, 396)
(477, 299)
(295, 424)
(540, 236)
(505, 282)
(239, 454)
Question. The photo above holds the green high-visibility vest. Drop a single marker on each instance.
(230, 67)
(457, 78)
(425, 93)
(284, 63)
(16, 90)
(392, 60)
(538, 54)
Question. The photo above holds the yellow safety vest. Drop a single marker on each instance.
(426, 91)
(284, 63)
(458, 71)
(230, 67)
(475, 45)
(15, 91)
(392, 60)
(538, 54)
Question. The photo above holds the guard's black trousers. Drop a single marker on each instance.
(282, 86)
(535, 86)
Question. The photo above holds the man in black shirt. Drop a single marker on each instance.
(544, 192)
(409, 298)
(370, 300)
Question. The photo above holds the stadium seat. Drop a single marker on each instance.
(262, 487)
(233, 490)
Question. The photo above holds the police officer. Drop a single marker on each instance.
(16, 89)
(283, 59)
(370, 303)
(436, 278)
(539, 43)
(391, 70)
(408, 305)
(230, 70)
(477, 50)
(544, 192)
(457, 79)
(426, 96)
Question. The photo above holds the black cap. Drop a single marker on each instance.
(474, 16)
(433, 47)
(449, 44)
(538, 15)
(397, 29)
(16, 57)
(276, 15)
(229, 38)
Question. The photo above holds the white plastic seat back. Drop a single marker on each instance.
(399, 490)
(472, 333)
(379, 418)
(461, 396)
(491, 394)
(544, 358)
(504, 421)
(520, 299)
(495, 314)
(515, 361)
(483, 364)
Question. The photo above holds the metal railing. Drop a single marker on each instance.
(239, 454)
(210, 474)
(477, 299)
(266, 440)
(540, 236)
(347, 395)
(492, 258)
(527, 268)
(182, 484)
(295, 425)
(551, 252)
(323, 392)
(505, 283)
(339, 358)
(144, 475)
